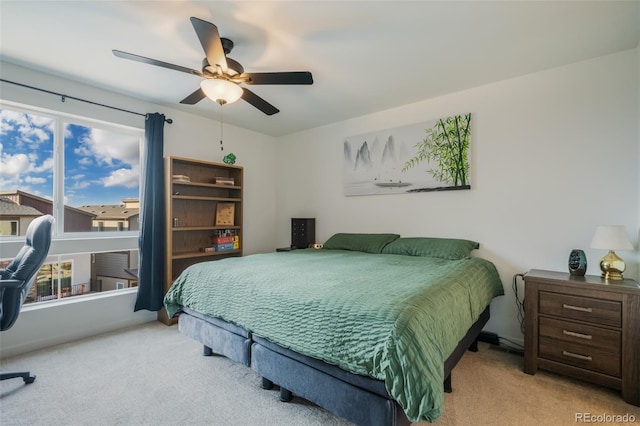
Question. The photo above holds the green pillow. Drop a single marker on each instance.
(368, 243)
(445, 248)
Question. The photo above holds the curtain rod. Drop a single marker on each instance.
(63, 97)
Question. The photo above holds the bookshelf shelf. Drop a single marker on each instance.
(203, 198)
(202, 228)
(194, 254)
(204, 184)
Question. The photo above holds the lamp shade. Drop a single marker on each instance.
(611, 237)
(221, 91)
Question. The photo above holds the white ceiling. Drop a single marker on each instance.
(365, 56)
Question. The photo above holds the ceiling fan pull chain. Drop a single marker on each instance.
(221, 126)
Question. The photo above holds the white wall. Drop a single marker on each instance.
(554, 154)
(638, 121)
(188, 136)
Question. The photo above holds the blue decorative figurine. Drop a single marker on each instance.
(577, 263)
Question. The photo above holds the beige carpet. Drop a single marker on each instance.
(489, 388)
(153, 375)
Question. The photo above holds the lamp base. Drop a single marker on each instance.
(612, 276)
(612, 267)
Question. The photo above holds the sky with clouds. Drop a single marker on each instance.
(101, 167)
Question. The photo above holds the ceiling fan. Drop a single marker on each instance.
(223, 75)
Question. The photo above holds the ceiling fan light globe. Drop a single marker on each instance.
(221, 91)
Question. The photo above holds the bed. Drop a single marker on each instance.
(368, 327)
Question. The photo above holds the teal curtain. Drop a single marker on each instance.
(151, 269)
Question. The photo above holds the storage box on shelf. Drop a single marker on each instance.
(194, 189)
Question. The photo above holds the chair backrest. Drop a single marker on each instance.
(24, 268)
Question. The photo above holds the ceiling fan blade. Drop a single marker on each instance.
(210, 40)
(294, 77)
(138, 58)
(258, 102)
(194, 98)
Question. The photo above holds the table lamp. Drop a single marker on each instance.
(611, 237)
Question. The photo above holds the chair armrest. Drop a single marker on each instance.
(6, 284)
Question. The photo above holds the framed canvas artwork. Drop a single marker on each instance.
(428, 156)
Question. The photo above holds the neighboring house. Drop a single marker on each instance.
(114, 270)
(19, 208)
(80, 273)
(14, 217)
(120, 217)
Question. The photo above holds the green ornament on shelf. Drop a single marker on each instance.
(229, 159)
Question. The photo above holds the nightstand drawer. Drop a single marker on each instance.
(580, 356)
(596, 311)
(589, 336)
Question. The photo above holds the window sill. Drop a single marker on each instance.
(78, 236)
(77, 299)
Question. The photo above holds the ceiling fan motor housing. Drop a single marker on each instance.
(232, 65)
(227, 45)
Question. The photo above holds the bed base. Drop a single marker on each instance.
(357, 398)
(360, 399)
(218, 336)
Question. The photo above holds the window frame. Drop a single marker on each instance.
(60, 119)
(71, 243)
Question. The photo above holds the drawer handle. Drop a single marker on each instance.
(578, 335)
(578, 356)
(576, 308)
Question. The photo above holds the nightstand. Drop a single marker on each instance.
(584, 327)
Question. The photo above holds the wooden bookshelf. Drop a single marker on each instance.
(191, 213)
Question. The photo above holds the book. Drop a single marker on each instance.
(224, 233)
(223, 180)
(182, 178)
(222, 240)
(224, 247)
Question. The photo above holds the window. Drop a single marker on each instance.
(86, 173)
(80, 274)
(102, 172)
(8, 227)
(26, 167)
(52, 282)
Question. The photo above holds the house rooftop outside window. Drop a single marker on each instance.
(24, 207)
(117, 217)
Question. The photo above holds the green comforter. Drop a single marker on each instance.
(391, 317)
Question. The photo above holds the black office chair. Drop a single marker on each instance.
(16, 280)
